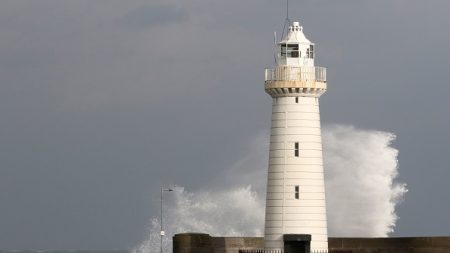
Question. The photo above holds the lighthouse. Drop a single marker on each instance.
(295, 214)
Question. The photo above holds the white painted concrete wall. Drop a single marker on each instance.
(295, 122)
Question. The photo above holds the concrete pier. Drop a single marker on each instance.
(204, 243)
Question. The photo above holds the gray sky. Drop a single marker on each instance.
(103, 101)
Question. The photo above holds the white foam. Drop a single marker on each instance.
(360, 166)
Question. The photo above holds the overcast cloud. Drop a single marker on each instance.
(103, 101)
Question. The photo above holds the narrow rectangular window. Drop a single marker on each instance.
(296, 100)
(283, 50)
(296, 149)
(297, 192)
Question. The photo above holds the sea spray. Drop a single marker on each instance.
(233, 212)
(360, 167)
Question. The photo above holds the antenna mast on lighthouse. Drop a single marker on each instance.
(287, 21)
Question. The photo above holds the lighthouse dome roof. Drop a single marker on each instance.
(295, 34)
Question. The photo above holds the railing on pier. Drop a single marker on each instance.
(290, 73)
(277, 251)
(261, 251)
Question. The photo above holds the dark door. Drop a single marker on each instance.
(296, 247)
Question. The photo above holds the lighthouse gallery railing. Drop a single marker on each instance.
(290, 73)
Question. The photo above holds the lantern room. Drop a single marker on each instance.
(295, 49)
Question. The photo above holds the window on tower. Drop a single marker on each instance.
(289, 50)
(283, 50)
(293, 50)
(296, 149)
(297, 192)
(311, 51)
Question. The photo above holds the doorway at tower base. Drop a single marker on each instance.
(294, 243)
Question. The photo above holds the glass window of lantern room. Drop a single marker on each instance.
(292, 50)
(283, 50)
(311, 51)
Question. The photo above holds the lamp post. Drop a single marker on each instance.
(162, 231)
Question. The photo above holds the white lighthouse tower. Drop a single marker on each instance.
(295, 201)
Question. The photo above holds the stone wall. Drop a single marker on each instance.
(233, 244)
(204, 243)
(390, 245)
